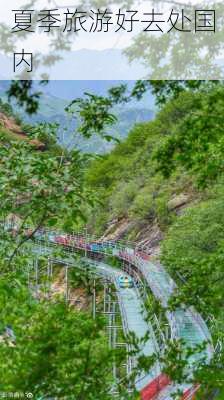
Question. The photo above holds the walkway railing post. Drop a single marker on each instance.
(94, 299)
(114, 338)
(28, 275)
(66, 282)
(104, 297)
(36, 275)
(85, 241)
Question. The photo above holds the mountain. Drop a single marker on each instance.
(56, 95)
(52, 112)
(70, 89)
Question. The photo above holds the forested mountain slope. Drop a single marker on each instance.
(162, 166)
(130, 186)
(163, 189)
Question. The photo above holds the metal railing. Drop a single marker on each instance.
(119, 249)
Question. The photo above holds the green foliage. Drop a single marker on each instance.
(194, 249)
(196, 140)
(161, 209)
(94, 113)
(9, 135)
(166, 90)
(6, 108)
(126, 179)
(123, 198)
(143, 206)
(39, 185)
(185, 138)
(57, 352)
(81, 277)
(46, 132)
(24, 95)
(179, 151)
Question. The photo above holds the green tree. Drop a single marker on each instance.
(196, 140)
(57, 352)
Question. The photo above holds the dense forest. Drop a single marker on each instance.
(161, 188)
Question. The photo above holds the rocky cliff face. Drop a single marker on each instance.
(9, 126)
(147, 235)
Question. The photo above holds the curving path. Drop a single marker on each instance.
(185, 324)
(133, 317)
(131, 307)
